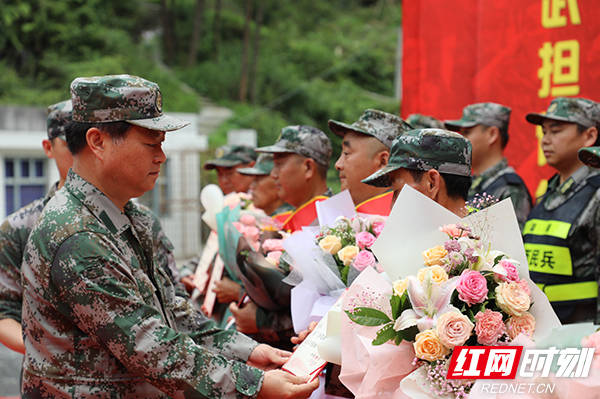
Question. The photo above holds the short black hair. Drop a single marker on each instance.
(456, 186)
(76, 133)
(503, 134)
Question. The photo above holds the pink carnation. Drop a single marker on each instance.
(239, 227)
(454, 231)
(363, 260)
(472, 287)
(248, 220)
(364, 239)
(511, 271)
(251, 233)
(524, 324)
(524, 286)
(273, 244)
(489, 327)
(378, 228)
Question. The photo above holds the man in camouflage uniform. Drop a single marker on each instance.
(486, 127)
(229, 160)
(264, 189)
(419, 121)
(365, 149)
(17, 226)
(301, 157)
(562, 234)
(100, 318)
(435, 162)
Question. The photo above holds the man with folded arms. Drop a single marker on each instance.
(99, 316)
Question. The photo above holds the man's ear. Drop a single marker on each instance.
(47, 146)
(382, 158)
(433, 182)
(96, 141)
(591, 135)
(309, 166)
(493, 135)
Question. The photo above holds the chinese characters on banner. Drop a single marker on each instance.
(521, 53)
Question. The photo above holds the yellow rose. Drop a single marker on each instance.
(331, 244)
(434, 256)
(512, 298)
(347, 254)
(400, 286)
(438, 274)
(428, 346)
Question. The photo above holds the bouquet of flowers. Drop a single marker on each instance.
(466, 294)
(348, 243)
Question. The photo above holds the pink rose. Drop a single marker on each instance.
(273, 244)
(472, 287)
(364, 239)
(378, 227)
(520, 324)
(363, 260)
(273, 257)
(489, 327)
(511, 271)
(248, 220)
(251, 233)
(593, 341)
(453, 328)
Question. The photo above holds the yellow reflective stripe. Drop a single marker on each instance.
(550, 259)
(571, 291)
(553, 228)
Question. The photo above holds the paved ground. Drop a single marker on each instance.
(10, 369)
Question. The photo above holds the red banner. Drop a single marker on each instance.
(520, 53)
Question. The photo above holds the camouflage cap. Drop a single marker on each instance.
(59, 115)
(262, 167)
(381, 125)
(590, 156)
(424, 149)
(229, 156)
(489, 114)
(574, 110)
(418, 121)
(303, 140)
(113, 98)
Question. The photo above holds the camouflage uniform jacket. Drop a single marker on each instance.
(514, 189)
(100, 319)
(13, 237)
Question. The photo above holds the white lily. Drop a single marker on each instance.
(428, 299)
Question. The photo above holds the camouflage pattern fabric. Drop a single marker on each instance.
(488, 114)
(59, 115)
(517, 193)
(229, 156)
(14, 232)
(113, 98)
(303, 140)
(381, 125)
(590, 156)
(101, 319)
(424, 149)
(419, 121)
(568, 109)
(262, 167)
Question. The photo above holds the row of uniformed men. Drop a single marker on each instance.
(91, 239)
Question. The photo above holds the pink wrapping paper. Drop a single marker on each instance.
(370, 371)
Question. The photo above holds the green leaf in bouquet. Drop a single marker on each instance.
(498, 259)
(385, 334)
(404, 303)
(344, 273)
(410, 333)
(395, 301)
(368, 316)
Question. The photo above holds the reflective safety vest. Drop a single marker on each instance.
(303, 215)
(549, 237)
(379, 205)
